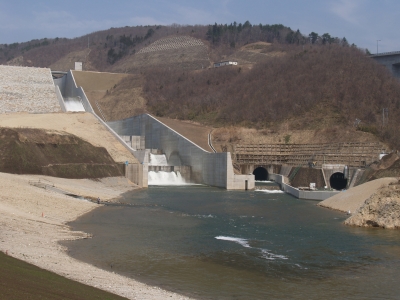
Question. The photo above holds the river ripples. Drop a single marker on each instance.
(215, 244)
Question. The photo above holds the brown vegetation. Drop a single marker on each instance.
(314, 88)
(285, 80)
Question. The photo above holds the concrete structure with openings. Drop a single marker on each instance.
(214, 169)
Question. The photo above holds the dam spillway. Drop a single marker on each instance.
(161, 173)
(214, 169)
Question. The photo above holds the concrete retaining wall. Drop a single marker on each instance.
(214, 169)
(310, 195)
(60, 99)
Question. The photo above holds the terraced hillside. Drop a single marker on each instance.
(53, 153)
(184, 52)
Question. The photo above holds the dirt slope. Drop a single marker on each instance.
(353, 199)
(83, 125)
(197, 133)
(55, 153)
(119, 96)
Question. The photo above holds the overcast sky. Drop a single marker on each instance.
(362, 22)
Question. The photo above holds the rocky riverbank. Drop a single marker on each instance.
(382, 209)
(372, 204)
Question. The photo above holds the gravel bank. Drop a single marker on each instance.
(33, 220)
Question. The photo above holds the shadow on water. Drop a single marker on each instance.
(215, 244)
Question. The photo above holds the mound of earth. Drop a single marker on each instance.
(354, 198)
(382, 209)
(54, 153)
(83, 125)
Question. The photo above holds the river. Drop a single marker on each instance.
(210, 243)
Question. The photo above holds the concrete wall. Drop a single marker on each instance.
(310, 195)
(60, 98)
(137, 173)
(66, 87)
(214, 169)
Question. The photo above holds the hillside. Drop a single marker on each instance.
(314, 88)
(124, 49)
(83, 125)
(58, 154)
(288, 87)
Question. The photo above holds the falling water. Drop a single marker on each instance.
(158, 160)
(165, 178)
(73, 104)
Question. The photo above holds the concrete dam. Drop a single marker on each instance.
(144, 136)
(156, 150)
(203, 167)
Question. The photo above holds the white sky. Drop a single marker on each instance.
(362, 22)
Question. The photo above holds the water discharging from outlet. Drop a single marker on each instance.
(162, 177)
(73, 104)
(158, 160)
(165, 178)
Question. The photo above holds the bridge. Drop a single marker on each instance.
(389, 59)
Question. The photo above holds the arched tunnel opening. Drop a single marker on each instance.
(260, 174)
(337, 181)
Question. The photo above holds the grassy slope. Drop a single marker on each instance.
(20, 280)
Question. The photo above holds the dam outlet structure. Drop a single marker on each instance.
(202, 167)
(161, 173)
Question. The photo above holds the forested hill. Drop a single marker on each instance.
(305, 81)
(103, 50)
(310, 87)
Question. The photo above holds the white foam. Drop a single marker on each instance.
(205, 216)
(271, 191)
(271, 256)
(239, 241)
(165, 178)
(158, 160)
(265, 181)
(73, 104)
(266, 254)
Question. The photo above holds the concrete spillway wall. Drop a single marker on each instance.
(214, 169)
(66, 88)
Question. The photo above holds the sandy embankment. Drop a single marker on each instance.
(353, 199)
(33, 221)
(372, 204)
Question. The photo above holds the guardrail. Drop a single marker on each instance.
(385, 53)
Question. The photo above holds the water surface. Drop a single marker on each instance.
(215, 244)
